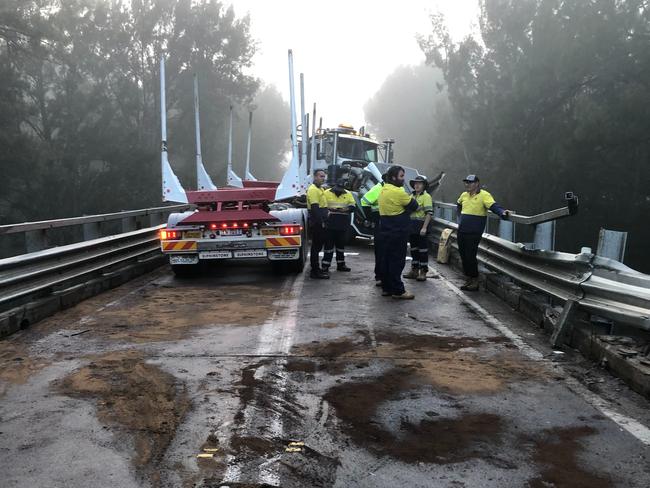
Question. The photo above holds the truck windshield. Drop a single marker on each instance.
(356, 149)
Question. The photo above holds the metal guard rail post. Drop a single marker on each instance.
(600, 285)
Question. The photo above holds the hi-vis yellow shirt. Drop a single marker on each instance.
(342, 202)
(425, 206)
(316, 195)
(476, 204)
(392, 200)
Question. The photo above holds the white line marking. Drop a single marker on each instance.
(634, 427)
(371, 333)
(275, 337)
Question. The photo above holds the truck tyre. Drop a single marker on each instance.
(185, 270)
(299, 264)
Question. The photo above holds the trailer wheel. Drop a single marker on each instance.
(299, 264)
(185, 270)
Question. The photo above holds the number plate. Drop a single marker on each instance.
(269, 232)
(177, 259)
(230, 232)
(193, 234)
(215, 255)
(251, 253)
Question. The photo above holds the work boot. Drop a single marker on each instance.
(471, 285)
(386, 294)
(318, 274)
(422, 274)
(326, 270)
(405, 296)
(411, 275)
(342, 267)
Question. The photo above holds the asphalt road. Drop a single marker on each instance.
(243, 378)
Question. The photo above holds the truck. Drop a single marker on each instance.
(358, 159)
(247, 219)
(251, 219)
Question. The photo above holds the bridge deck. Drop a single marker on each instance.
(129, 387)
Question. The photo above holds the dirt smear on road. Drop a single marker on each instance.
(169, 314)
(557, 452)
(16, 365)
(445, 440)
(459, 365)
(160, 313)
(132, 398)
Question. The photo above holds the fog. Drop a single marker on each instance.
(538, 97)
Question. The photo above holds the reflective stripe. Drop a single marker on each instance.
(425, 205)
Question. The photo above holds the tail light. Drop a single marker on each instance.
(166, 235)
(290, 230)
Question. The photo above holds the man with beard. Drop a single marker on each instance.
(395, 207)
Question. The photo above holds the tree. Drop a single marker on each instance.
(80, 99)
(549, 96)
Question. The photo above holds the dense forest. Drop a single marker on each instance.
(79, 102)
(547, 96)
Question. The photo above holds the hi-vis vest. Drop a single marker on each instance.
(371, 198)
(336, 204)
(316, 195)
(425, 206)
(393, 200)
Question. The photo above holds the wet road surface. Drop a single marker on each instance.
(243, 378)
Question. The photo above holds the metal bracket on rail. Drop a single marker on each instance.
(571, 208)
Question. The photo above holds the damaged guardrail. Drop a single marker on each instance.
(600, 285)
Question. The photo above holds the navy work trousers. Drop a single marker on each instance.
(377, 244)
(467, 248)
(334, 240)
(419, 250)
(317, 243)
(393, 259)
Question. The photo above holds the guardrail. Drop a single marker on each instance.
(39, 235)
(600, 285)
(36, 284)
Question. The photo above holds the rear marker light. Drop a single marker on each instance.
(213, 226)
(290, 230)
(169, 235)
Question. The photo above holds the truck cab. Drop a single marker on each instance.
(358, 159)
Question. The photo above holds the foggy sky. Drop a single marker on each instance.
(345, 48)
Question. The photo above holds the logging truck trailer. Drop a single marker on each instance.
(236, 223)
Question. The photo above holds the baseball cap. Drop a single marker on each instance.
(470, 178)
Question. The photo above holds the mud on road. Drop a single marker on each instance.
(175, 377)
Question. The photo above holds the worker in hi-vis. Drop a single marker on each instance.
(420, 220)
(473, 205)
(317, 212)
(370, 206)
(340, 205)
(395, 207)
